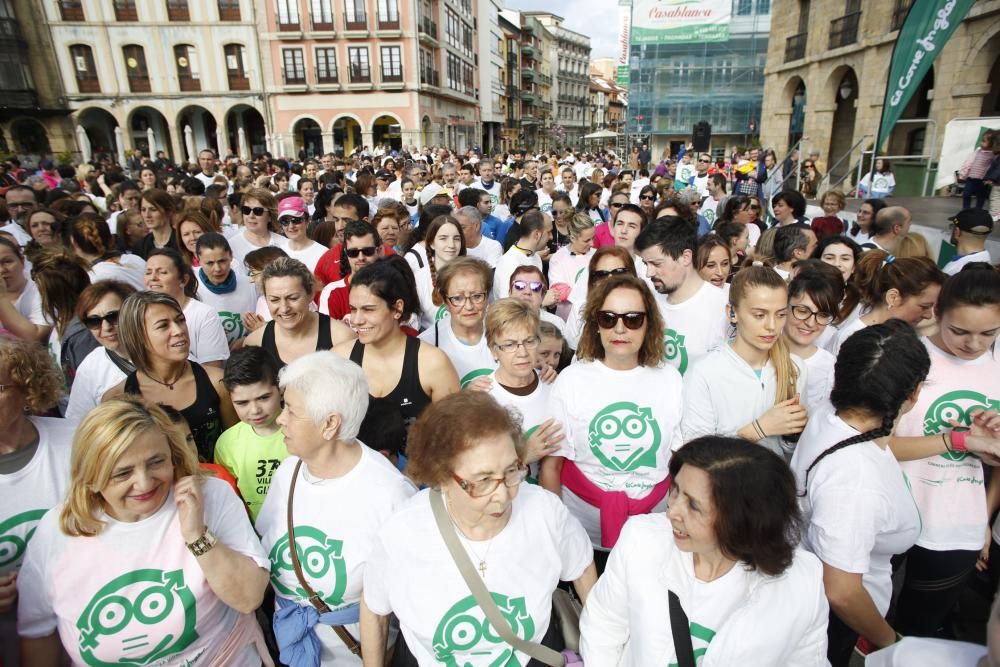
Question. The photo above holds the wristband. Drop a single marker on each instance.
(760, 428)
(957, 439)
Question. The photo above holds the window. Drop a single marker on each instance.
(288, 14)
(71, 10)
(135, 68)
(85, 69)
(360, 69)
(125, 10)
(294, 66)
(322, 14)
(388, 14)
(235, 57)
(392, 65)
(326, 65)
(15, 75)
(229, 10)
(763, 7)
(744, 7)
(177, 10)
(185, 57)
(355, 16)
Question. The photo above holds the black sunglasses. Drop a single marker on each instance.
(616, 204)
(613, 272)
(649, 197)
(93, 322)
(256, 210)
(287, 222)
(367, 251)
(607, 319)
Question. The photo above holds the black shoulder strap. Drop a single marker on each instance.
(436, 333)
(420, 260)
(679, 627)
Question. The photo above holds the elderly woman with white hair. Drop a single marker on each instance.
(326, 503)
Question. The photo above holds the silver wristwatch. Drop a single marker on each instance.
(203, 544)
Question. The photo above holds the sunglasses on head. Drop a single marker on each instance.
(367, 251)
(602, 273)
(607, 319)
(93, 322)
(288, 221)
(256, 210)
(522, 285)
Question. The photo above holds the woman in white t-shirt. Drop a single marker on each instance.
(259, 211)
(34, 465)
(90, 239)
(221, 287)
(444, 242)
(752, 387)
(20, 304)
(167, 272)
(520, 539)
(855, 498)
(294, 221)
(108, 365)
(886, 287)
(546, 192)
(342, 495)
(956, 496)
(620, 406)
(605, 262)
(464, 285)
(814, 296)
(860, 231)
(569, 262)
(146, 560)
(727, 549)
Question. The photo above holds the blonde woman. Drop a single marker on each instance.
(178, 570)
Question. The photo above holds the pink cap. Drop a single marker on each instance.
(291, 207)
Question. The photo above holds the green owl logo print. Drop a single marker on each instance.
(625, 437)
(465, 630)
(322, 562)
(137, 619)
(232, 324)
(957, 407)
(15, 533)
(674, 350)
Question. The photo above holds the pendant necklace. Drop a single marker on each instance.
(168, 385)
(468, 544)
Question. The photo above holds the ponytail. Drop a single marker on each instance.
(785, 370)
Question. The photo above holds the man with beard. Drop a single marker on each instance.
(695, 310)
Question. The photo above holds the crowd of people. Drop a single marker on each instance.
(427, 407)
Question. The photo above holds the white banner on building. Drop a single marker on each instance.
(680, 21)
(624, 40)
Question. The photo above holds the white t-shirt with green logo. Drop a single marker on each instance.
(208, 338)
(336, 521)
(148, 600)
(620, 426)
(950, 488)
(231, 307)
(533, 409)
(470, 361)
(694, 327)
(411, 573)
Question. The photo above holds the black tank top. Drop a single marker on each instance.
(323, 339)
(203, 416)
(408, 397)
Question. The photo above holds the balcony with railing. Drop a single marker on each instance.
(528, 74)
(139, 83)
(429, 77)
(321, 24)
(428, 28)
(326, 75)
(293, 76)
(795, 47)
(289, 24)
(392, 77)
(189, 83)
(360, 74)
(388, 22)
(71, 10)
(844, 30)
(88, 84)
(125, 10)
(356, 22)
(238, 80)
(178, 11)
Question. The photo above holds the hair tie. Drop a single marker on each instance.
(889, 260)
(759, 263)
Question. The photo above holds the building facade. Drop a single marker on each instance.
(675, 86)
(827, 72)
(569, 62)
(510, 76)
(491, 82)
(173, 76)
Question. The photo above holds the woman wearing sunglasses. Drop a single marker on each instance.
(620, 407)
(527, 284)
(293, 218)
(474, 463)
(750, 387)
(647, 200)
(605, 262)
(108, 365)
(259, 210)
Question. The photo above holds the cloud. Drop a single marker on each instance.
(598, 19)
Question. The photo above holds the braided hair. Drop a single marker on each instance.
(877, 370)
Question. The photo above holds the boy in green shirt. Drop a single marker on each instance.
(252, 449)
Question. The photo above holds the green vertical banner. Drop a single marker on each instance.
(928, 26)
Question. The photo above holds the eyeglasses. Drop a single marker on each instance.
(647, 197)
(601, 274)
(705, 161)
(522, 285)
(251, 274)
(754, 207)
(288, 222)
(607, 319)
(94, 322)
(803, 313)
(20, 205)
(529, 343)
(354, 253)
(256, 210)
(484, 487)
(458, 300)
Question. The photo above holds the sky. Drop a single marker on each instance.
(598, 19)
